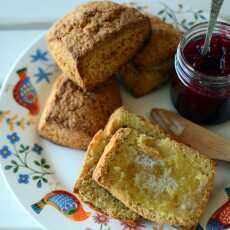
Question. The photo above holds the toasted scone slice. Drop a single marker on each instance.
(165, 181)
(122, 118)
(72, 116)
(93, 194)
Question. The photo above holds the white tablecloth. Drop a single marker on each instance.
(12, 43)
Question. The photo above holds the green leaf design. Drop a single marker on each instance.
(170, 15)
(23, 148)
(43, 161)
(37, 163)
(160, 12)
(183, 21)
(44, 180)
(191, 23)
(200, 11)
(196, 16)
(180, 6)
(164, 19)
(7, 167)
(27, 148)
(14, 162)
(15, 170)
(202, 17)
(36, 177)
(46, 166)
(39, 184)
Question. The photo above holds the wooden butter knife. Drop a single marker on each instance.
(189, 133)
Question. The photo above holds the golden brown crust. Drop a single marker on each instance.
(94, 19)
(121, 118)
(106, 171)
(153, 64)
(143, 81)
(71, 116)
(91, 193)
(86, 29)
(161, 46)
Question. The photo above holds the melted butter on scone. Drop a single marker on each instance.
(159, 178)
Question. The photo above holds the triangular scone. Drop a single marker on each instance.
(160, 179)
(94, 195)
(153, 64)
(71, 116)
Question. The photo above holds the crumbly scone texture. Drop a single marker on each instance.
(153, 64)
(94, 40)
(94, 195)
(142, 82)
(122, 118)
(71, 116)
(161, 46)
(160, 179)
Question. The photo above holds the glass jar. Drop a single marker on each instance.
(197, 96)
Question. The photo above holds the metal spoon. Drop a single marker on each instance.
(214, 12)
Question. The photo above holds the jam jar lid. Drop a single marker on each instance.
(187, 73)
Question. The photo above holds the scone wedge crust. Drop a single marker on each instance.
(161, 46)
(94, 40)
(71, 116)
(165, 181)
(153, 64)
(122, 117)
(94, 195)
(142, 81)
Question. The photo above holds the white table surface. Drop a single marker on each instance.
(12, 43)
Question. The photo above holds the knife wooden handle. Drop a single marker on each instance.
(191, 134)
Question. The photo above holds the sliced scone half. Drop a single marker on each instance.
(160, 179)
(122, 118)
(94, 195)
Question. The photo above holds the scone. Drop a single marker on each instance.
(71, 116)
(142, 81)
(86, 188)
(160, 179)
(153, 64)
(94, 40)
(93, 194)
(121, 118)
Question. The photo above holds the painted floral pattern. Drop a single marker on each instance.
(42, 75)
(102, 220)
(5, 152)
(27, 161)
(14, 121)
(39, 55)
(173, 16)
(132, 226)
(37, 170)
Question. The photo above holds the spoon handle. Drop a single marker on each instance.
(215, 9)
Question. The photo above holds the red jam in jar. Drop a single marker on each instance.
(201, 89)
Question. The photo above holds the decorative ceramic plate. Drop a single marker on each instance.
(34, 167)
